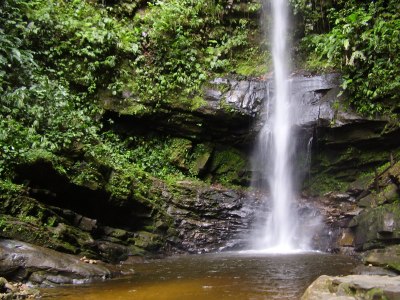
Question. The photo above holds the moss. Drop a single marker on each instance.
(87, 174)
(28, 230)
(376, 226)
(375, 294)
(228, 166)
(186, 103)
(60, 164)
(7, 187)
(342, 169)
(324, 182)
(148, 241)
(28, 210)
(179, 151)
(137, 251)
(253, 64)
(119, 184)
(134, 107)
(199, 158)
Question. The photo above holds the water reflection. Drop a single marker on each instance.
(217, 276)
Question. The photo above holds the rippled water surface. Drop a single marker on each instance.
(216, 276)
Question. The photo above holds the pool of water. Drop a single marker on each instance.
(214, 276)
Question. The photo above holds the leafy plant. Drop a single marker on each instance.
(363, 43)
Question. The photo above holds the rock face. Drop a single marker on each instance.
(370, 217)
(210, 219)
(81, 205)
(353, 287)
(26, 262)
(182, 217)
(229, 110)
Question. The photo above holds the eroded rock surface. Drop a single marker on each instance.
(231, 110)
(26, 262)
(353, 287)
(210, 219)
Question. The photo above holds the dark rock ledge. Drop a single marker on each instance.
(25, 262)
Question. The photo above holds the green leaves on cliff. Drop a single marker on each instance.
(363, 43)
(181, 42)
(57, 57)
(79, 41)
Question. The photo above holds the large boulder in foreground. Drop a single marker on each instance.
(354, 287)
(21, 261)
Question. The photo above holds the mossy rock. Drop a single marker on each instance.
(13, 228)
(200, 157)
(378, 226)
(229, 166)
(324, 182)
(27, 209)
(389, 258)
(87, 174)
(348, 168)
(148, 241)
(179, 152)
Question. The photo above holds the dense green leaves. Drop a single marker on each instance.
(58, 56)
(181, 42)
(363, 43)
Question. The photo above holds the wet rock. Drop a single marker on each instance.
(372, 270)
(388, 257)
(87, 224)
(375, 227)
(346, 239)
(9, 290)
(230, 110)
(244, 95)
(339, 196)
(354, 287)
(148, 240)
(26, 262)
(210, 218)
(111, 252)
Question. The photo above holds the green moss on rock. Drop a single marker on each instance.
(377, 226)
(199, 158)
(229, 167)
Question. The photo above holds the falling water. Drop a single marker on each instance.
(275, 147)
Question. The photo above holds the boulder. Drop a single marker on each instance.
(388, 257)
(26, 262)
(353, 287)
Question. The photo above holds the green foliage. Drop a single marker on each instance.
(228, 167)
(79, 41)
(182, 42)
(39, 110)
(363, 43)
(57, 56)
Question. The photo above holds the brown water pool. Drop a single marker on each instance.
(214, 276)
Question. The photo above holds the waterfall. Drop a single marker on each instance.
(276, 148)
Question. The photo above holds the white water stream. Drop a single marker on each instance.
(276, 144)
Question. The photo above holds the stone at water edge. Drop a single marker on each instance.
(388, 257)
(26, 262)
(353, 287)
(9, 290)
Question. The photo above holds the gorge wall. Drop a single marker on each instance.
(171, 175)
(351, 182)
